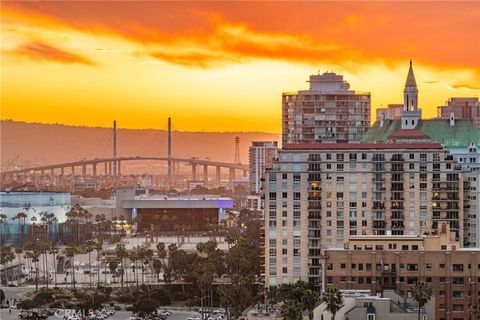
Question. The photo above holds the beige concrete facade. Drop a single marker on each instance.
(260, 156)
(316, 196)
(326, 113)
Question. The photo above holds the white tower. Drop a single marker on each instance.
(410, 114)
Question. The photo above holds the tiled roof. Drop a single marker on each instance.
(409, 134)
(360, 146)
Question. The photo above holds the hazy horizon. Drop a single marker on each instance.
(222, 67)
(128, 128)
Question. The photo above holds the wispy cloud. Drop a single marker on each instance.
(464, 86)
(44, 51)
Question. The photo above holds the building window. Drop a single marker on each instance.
(457, 307)
(412, 267)
(458, 267)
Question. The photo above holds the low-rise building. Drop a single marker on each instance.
(362, 305)
(379, 263)
(166, 213)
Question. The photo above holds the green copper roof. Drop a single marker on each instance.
(459, 136)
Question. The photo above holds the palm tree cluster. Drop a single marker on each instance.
(296, 298)
(76, 217)
(421, 293)
(333, 299)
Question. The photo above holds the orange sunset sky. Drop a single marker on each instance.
(222, 66)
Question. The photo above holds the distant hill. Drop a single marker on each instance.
(28, 144)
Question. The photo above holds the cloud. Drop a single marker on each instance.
(208, 34)
(43, 51)
(237, 43)
(464, 86)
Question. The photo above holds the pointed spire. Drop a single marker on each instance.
(411, 77)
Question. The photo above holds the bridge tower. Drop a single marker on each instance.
(170, 153)
(237, 150)
(115, 147)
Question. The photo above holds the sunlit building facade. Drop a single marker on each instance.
(260, 156)
(326, 113)
(317, 195)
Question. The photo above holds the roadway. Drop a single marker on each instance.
(96, 161)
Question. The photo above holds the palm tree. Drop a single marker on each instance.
(6, 256)
(134, 256)
(309, 300)
(291, 309)
(21, 216)
(48, 218)
(54, 250)
(98, 247)
(71, 252)
(89, 247)
(77, 216)
(33, 229)
(33, 252)
(122, 254)
(157, 267)
(475, 308)
(100, 220)
(44, 247)
(3, 221)
(147, 256)
(333, 298)
(421, 293)
(161, 251)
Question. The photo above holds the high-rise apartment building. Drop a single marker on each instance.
(467, 108)
(317, 195)
(260, 156)
(326, 113)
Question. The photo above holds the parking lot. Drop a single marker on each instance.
(119, 315)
